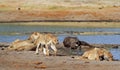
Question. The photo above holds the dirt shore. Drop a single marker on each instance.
(59, 10)
(27, 60)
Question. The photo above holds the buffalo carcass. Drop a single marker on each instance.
(74, 43)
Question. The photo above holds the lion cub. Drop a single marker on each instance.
(98, 54)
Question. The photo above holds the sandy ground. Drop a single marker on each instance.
(31, 10)
(27, 60)
(113, 13)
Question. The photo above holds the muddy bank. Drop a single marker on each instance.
(27, 60)
(6, 44)
(63, 51)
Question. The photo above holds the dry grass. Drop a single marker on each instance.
(99, 33)
(24, 10)
(56, 4)
(75, 24)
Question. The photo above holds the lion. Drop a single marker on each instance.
(20, 45)
(44, 41)
(33, 36)
(98, 54)
(24, 44)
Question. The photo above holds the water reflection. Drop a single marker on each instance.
(9, 38)
(8, 28)
(93, 39)
(116, 53)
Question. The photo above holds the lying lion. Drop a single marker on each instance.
(98, 54)
(21, 45)
(24, 44)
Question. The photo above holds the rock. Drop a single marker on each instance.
(38, 63)
(4, 44)
(41, 67)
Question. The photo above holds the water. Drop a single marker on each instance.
(116, 53)
(11, 28)
(9, 33)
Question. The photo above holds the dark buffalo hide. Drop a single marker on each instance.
(74, 43)
(71, 42)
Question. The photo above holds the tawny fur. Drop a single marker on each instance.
(34, 36)
(98, 54)
(44, 41)
(21, 45)
(24, 44)
(36, 39)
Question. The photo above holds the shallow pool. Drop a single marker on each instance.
(9, 33)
